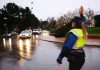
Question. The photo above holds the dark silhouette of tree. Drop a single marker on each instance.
(36, 22)
(44, 24)
(13, 16)
(10, 15)
(97, 20)
(51, 23)
(24, 18)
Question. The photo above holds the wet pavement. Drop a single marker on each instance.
(93, 42)
(89, 42)
(38, 54)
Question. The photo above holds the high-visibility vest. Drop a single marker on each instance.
(80, 42)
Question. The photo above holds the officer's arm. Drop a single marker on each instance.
(68, 44)
(83, 19)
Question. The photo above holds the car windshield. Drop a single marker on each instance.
(37, 29)
(24, 32)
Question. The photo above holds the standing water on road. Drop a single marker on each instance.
(36, 54)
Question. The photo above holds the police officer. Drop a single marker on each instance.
(73, 46)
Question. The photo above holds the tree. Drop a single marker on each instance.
(9, 12)
(35, 22)
(44, 24)
(97, 20)
(13, 16)
(90, 18)
(51, 23)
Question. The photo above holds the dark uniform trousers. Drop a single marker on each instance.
(76, 59)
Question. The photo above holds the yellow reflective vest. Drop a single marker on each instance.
(80, 42)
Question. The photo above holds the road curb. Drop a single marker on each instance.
(92, 45)
(94, 36)
(62, 43)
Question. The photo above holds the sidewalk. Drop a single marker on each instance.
(93, 42)
(90, 41)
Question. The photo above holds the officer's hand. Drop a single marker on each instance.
(81, 10)
(59, 61)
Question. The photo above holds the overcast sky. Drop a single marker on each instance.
(54, 8)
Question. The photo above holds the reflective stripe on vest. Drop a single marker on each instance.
(80, 41)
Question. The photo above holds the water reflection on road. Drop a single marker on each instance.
(35, 54)
(24, 47)
(16, 50)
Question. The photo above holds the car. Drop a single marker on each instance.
(14, 34)
(25, 34)
(10, 35)
(45, 31)
(37, 31)
(7, 35)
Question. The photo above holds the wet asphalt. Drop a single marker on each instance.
(35, 54)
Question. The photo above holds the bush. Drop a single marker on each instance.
(93, 30)
(60, 32)
(52, 30)
(97, 20)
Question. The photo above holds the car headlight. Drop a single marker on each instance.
(26, 35)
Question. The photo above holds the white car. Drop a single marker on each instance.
(25, 34)
(37, 31)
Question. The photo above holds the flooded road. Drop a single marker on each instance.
(35, 54)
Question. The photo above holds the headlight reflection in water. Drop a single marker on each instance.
(25, 48)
